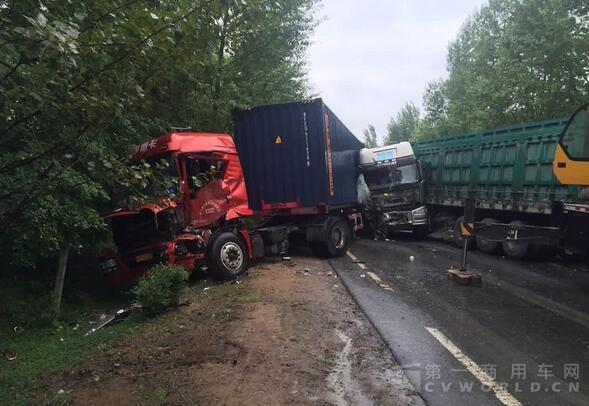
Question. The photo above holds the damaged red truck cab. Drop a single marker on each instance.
(292, 169)
(179, 230)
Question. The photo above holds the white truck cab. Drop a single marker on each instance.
(394, 179)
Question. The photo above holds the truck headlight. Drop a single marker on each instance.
(420, 213)
(180, 250)
(109, 265)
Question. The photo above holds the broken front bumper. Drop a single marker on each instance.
(124, 270)
(407, 218)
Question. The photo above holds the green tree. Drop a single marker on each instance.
(435, 120)
(403, 126)
(82, 82)
(370, 137)
(513, 61)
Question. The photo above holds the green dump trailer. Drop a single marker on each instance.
(508, 173)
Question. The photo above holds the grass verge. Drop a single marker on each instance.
(52, 349)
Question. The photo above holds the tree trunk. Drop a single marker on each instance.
(61, 267)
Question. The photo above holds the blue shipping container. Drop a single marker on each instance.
(296, 154)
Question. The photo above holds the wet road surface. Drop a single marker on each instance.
(520, 338)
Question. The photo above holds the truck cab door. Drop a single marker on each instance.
(571, 158)
(206, 198)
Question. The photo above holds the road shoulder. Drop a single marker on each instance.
(288, 333)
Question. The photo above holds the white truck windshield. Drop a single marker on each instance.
(389, 177)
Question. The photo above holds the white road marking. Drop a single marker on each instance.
(352, 256)
(377, 279)
(503, 395)
(356, 260)
(374, 276)
(548, 304)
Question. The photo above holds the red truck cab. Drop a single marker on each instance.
(209, 201)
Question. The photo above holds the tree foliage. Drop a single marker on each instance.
(403, 125)
(370, 137)
(513, 61)
(84, 81)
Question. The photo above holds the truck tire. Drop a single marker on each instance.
(457, 234)
(515, 250)
(339, 236)
(484, 245)
(227, 256)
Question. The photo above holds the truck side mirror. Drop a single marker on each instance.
(574, 140)
(427, 172)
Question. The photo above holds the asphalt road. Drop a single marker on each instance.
(520, 338)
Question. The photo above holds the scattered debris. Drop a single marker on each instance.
(18, 329)
(286, 258)
(9, 355)
(60, 392)
(363, 275)
(235, 282)
(411, 258)
(323, 273)
(109, 319)
(207, 288)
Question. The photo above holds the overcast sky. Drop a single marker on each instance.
(369, 57)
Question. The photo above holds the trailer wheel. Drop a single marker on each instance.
(487, 246)
(513, 249)
(338, 236)
(457, 234)
(227, 256)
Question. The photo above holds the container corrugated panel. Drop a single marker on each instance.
(508, 168)
(296, 152)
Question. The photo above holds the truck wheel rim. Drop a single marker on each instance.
(231, 256)
(338, 237)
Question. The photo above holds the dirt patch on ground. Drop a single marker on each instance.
(288, 333)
